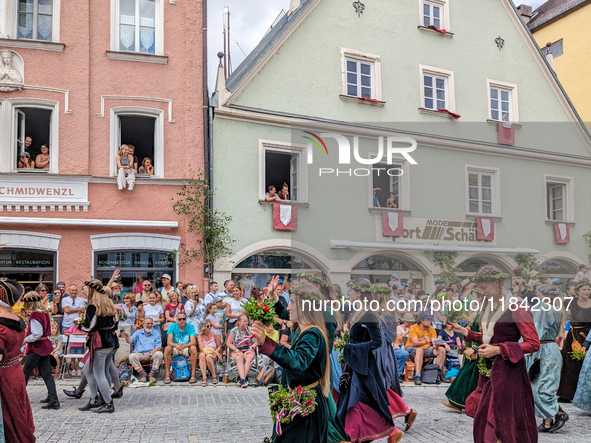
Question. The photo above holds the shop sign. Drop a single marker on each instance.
(29, 191)
(436, 231)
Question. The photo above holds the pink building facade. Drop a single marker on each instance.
(83, 78)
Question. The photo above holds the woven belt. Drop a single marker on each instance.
(313, 385)
(10, 362)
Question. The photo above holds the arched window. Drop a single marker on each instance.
(557, 268)
(379, 268)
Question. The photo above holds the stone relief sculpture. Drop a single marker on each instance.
(11, 78)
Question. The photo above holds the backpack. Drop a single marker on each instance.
(266, 375)
(180, 370)
(124, 371)
(453, 363)
(430, 374)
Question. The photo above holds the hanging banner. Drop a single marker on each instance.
(562, 231)
(485, 228)
(392, 224)
(285, 217)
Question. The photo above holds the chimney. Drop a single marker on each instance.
(293, 6)
(525, 11)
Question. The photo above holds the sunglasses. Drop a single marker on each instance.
(43, 290)
(208, 326)
(182, 319)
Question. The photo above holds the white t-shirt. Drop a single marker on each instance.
(76, 303)
(153, 312)
(581, 277)
(235, 305)
(247, 285)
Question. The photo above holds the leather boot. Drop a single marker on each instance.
(92, 404)
(106, 408)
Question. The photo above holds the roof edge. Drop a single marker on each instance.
(559, 16)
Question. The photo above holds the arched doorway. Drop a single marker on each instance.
(260, 267)
(378, 268)
(470, 266)
(556, 268)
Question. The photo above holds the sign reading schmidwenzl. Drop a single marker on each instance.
(435, 231)
(26, 189)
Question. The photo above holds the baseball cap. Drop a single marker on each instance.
(280, 281)
(25, 154)
(166, 276)
(438, 282)
(556, 281)
(425, 315)
(60, 283)
(395, 275)
(465, 282)
(402, 285)
(583, 266)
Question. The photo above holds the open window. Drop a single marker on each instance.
(32, 128)
(283, 167)
(387, 184)
(139, 132)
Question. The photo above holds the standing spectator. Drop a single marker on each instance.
(583, 274)
(25, 162)
(154, 311)
(75, 348)
(211, 310)
(376, 200)
(62, 286)
(439, 286)
(241, 345)
(392, 201)
(180, 287)
(29, 146)
(56, 341)
(419, 344)
(247, 284)
(144, 296)
(283, 296)
(173, 308)
(129, 310)
(211, 296)
(42, 160)
(166, 287)
(147, 348)
(55, 306)
(210, 348)
(181, 342)
(195, 307)
(73, 307)
(234, 308)
(228, 289)
(125, 169)
(39, 348)
(271, 195)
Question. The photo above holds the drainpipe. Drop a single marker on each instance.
(206, 110)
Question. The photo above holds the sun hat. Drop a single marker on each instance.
(166, 276)
(534, 273)
(408, 317)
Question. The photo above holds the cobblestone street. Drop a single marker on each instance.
(183, 413)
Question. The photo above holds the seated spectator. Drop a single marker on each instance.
(25, 162)
(211, 315)
(241, 344)
(181, 342)
(146, 167)
(56, 340)
(173, 308)
(392, 201)
(271, 195)
(128, 309)
(125, 169)
(132, 152)
(75, 348)
(419, 344)
(210, 348)
(450, 337)
(234, 307)
(284, 193)
(144, 296)
(403, 329)
(42, 160)
(154, 311)
(147, 348)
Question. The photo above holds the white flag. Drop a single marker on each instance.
(393, 220)
(285, 214)
(562, 230)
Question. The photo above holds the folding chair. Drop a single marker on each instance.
(68, 340)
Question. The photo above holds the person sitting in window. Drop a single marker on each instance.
(125, 169)
(146, 167)
(392, 201)
(42, 160)
(132, 152)
(272, 196)
(376, 201)
(25, 162)
(284, 193)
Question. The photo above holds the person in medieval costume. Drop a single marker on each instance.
(17, 416)
(39, 348)
(305, 365)
(505, 410)
(336, 430)
(546, 364)
(580, 325)
(582, 399)
(466, 381)
(363, 404)
(386, 358)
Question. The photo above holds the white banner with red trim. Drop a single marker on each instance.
(392, 224)
(285, 217)
(562, 231)
(485, 228)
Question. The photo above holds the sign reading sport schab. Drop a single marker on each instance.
(435, 231)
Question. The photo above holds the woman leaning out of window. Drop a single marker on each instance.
(42, 160)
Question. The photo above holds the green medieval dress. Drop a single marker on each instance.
(303, 365)
(467, 379)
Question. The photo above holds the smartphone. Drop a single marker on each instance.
(51, 296)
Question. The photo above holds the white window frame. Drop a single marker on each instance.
(138, 111)
(569, 210)
(512, 88)
(8, 125)
(358, 56)
(496, 189)
(285, 148)
(445, 19)
(450, 86)
(159, 37)
(9, 21)
(404, 180)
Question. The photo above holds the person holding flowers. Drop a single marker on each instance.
(305, 369)
(580, 325)
(505, 409)
(582, 399)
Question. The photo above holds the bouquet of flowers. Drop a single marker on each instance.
(263, 312)
(286, 404)
(461, 349)
(577, 355)
(340, 345)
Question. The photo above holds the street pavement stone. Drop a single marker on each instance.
(227, 414)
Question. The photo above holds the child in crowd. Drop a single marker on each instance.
(75, 348)
(140, 315)
(56, 340)
(211, 310)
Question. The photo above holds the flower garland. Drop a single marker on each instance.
(483, 366)
(358, 288)
(340, 345)
(486, 278)
(580, 285)
(302, 294)
(286, 404)
(312, 279)
(379, 290)
(263, 312)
